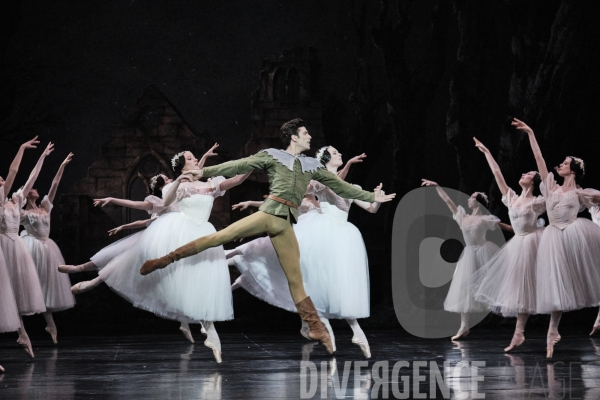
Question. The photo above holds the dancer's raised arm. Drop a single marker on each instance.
(171, 194)
(138, 205)
(14, 166)
(58, 177)
(493, 166)
(209, 153)
(245, 204)
(236, 180)
(36, 170)
(132, 225)
(541, 163)
(344, 171)
(442, 194)
(371, 207)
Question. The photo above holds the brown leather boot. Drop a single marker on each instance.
(187, 250)
(306, 310)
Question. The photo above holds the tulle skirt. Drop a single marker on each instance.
(23, 276)
(568, 267)
(9, 313)
(191, 290)
(56, 286)
(334, 263)
(461, 296)
(104, 256)
(507, 283)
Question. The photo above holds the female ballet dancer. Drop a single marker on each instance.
(334, 261)
(507, 283)
(569, 250)
(45, 253)
(477, 252)
(595, 213)
(153, 204)
(183, 293)
(21, 269)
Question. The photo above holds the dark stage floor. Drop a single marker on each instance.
(259, 366)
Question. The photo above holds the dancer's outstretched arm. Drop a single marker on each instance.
(506, 227)
(348, 191)
(344, 171)
(138, 205)
(493, 166)
(442, 194)
(171, 194)
(371, 207)
(14, 166)
(232, 182)
(245, 204)
(541, 163)
(58, 177)
(36, 170)
(132, 225)
(209, 153)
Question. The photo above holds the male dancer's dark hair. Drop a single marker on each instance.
(290, 128)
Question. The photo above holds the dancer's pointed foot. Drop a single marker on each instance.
(364, 346)
(53, 333)
(517, 340)
(26, 343)
(596, 328)
(318, 331)
(461, 334)
(203, 330)
(81, 287)
(551, 341)
(215, 349)
(187, 333)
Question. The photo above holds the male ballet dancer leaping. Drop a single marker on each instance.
(289, 174)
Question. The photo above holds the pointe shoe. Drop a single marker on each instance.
(461, 335)
(216, 351)
(363, 346)
(53, 333)
(79, 288)
(203, 330)
(187, 334)
(596, 328)
(514, 343)
(550, 346)
(26, 343)
(317, 330)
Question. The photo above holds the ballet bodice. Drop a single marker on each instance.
(10, 214)
(474, 227)
(308, 205)
(196, 204)
(37, 223)
(523, 216)
(563, 207)
(333, 211)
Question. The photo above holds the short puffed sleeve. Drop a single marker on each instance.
(509, 197)
(539, 205)
(586, 198)
(158, 206)
(459, 215)
(46, 204)
(490, 221)
(215, 183)
(548, 185)
(18, 198)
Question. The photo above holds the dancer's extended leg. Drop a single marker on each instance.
(463, 331)
(86, 286)
(212, 341)
(185, 329)
(73, 269)
(553, 335)
(518, 337)
(359, 337)
(50, 326)
(596, 327)
(286, 246)
(23, 339)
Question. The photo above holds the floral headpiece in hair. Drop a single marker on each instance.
(153, 182)
(175, 159)
(484, 196)
(579, 162)
(320, 153)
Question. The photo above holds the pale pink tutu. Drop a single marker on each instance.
(9, 314)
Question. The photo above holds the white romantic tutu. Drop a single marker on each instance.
(192, 289)
(56, 286)
(507, 283)
(568, 267)
(107, 254)
(9, 313)
(334, 267)
(461, 295)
